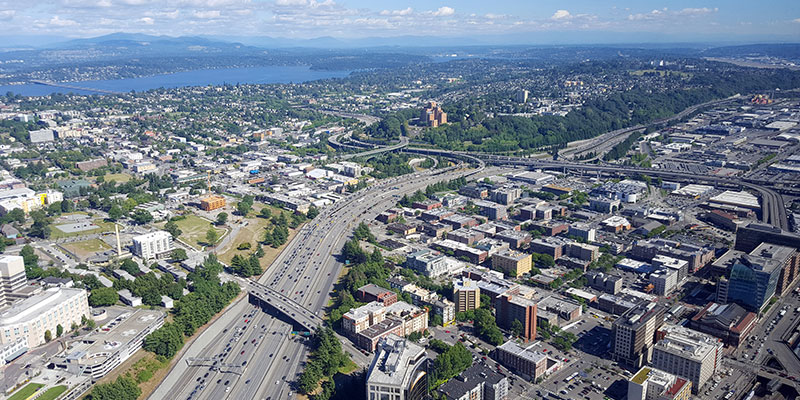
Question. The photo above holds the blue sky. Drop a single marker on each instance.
(584, 20)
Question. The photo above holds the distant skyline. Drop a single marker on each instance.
(588, 21)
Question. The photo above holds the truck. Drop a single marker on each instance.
(782, 313)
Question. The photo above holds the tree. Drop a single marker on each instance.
(59, 330)
(173, 229)
(115, 212)
(67, 206)
(141, 217)
(130, 267)
(222, 218)
(179, 255)
(212, 236)
(103, 297)
(123, 388)
(164, 341)
(31, 261)
(312, 212)
(48, 336)
(243, 208)
(265, 213)
(517, 328)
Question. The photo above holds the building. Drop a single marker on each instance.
(12, 277)
(370, 323)
(427, 262)
(106, 348)
(751, 282)
(558, 311)
(467, 295)
(729, 322)
(371, 292)
(41, 136)
(582, 251)
(32, 317)
(432, 115)
(653, 384)
(664, 281)
(583, 231)
(528, 362)
(634, 333)
(91, 164)
(689, 354)
(510, 308)
(399, 371)
(152, 245)
(128, 298)
(478, 382)
(512, 262)
(607, 283)
(212, 202)
(750, 236)
(444, 308)
(789, 260)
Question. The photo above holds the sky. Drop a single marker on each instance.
(592, 20)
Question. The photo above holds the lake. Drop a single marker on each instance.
(269, 74)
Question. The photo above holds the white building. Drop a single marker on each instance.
(688, 354)
(664, 280)
(398, 371)
(151, 245)
(12, 277)
(653, 384)
(31, 317)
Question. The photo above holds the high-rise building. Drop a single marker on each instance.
(653, 384)
(32, 317)
(750, 236)
(512, 262)
(478, 382)
(467, 294)
(521, 96)
(510, 308)
(634, 333)
(399, 371)
(687, 353)
(12, 277)
(432, 115)
(151, 245)
(751, 282)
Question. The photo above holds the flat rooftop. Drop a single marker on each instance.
(115, 334)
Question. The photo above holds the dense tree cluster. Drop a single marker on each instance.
(451, 362)
(246, 266)
(326, 359)
(103, 296)
(123, 388)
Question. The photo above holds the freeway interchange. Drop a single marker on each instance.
(247, 353)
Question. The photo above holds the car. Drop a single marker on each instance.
(227, 382)
(242, 353)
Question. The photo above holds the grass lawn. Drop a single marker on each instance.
(26, 391)
(86, 248)
(119, 178)
(102, 226)
(349, 367)
(53, 393)
(194, 231)
(253, 233)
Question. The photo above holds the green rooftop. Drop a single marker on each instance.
(641, 376)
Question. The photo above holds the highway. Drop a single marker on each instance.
(267, 356)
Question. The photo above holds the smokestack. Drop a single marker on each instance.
(119, 245)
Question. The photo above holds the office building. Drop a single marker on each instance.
(689, 354)
(558, 310)
(212, 202)
(510, 308)
(100, 352)
(664, 281)
(368, 324)
(399, 371)
(529, 361)
(32, 317)
(151, 245)
(444, 308)
(634, 332)
(12, 277)
(611, 284)
(512, 262)
(729, 322)
(789, 260)
(427, 262)
(751, 282)
(582, 251)
(653, 384)
(467, 294)
(371, 292)
(750, 236)
(478, 382)
(582, 231)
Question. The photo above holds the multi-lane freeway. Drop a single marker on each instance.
(256, 356)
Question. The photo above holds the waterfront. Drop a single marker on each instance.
(269, 74)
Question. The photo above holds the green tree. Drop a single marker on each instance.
(517, 328)
(31, 261)
(312, 212)
(48, 336)
(222, 218)
(103, 297)
(142, 217)
(265, 213)
(243, 208)
(173, 229)
(212, 236)
(59, 330)
(123, 388)
(179, 255)
(115, 213)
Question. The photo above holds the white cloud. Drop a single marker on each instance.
(7, 15)
(560, 15)
(665, 13)
(406, 11)
(796, 20)
(210, 14)
(697, 11)
(444, 11)
(57, 21)
(291, 2)
(147, 21)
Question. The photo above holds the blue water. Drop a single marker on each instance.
(270, 74)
